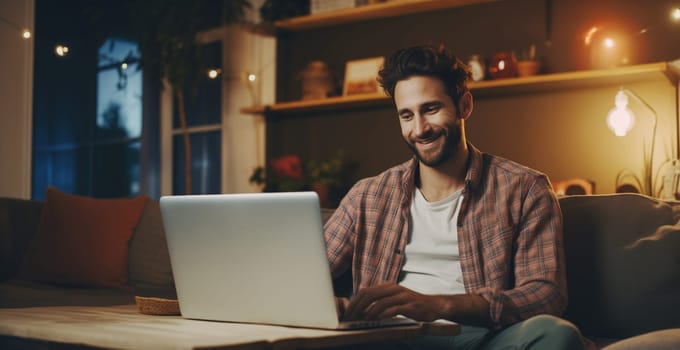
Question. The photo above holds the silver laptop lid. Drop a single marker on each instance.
(258, 258)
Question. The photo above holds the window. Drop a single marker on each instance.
(83, 143)
(118, 131)
(204, 121)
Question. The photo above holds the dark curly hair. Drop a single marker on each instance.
(429, 61)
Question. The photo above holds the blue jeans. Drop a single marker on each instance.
(539, 332)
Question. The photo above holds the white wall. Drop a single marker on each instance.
(244, 134)
(16, 97)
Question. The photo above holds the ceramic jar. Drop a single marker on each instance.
(317, 81)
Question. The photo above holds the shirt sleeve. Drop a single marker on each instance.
(339, 235)
(539, 262)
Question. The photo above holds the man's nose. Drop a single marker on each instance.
(421, 126)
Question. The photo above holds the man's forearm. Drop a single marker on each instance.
(469, 309)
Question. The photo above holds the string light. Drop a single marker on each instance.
(124, 66)
(25, 33)
(252, 77)
(214, 73)
(61, 50)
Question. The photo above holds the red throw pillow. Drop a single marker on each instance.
(82, 241)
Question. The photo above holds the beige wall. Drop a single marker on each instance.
(564, 133)
(16, 89)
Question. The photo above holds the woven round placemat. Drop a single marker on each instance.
(157, 306)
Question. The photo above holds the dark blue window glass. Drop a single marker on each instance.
(62, 167)
(203, 106)
(206, 163)
(119, 91)
(86, 143)
(203, 102)
(116, 169)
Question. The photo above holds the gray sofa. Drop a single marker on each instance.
(623, 263)
(623, 269)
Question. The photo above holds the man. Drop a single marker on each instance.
(453, 233)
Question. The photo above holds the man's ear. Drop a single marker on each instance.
(465, 105)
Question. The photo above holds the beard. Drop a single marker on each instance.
(436, 156)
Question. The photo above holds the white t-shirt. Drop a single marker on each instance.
(432, 260)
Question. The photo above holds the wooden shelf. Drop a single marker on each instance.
(363, 13)
(339, 102)
(672, 71)
(491, 88)
(570, 80)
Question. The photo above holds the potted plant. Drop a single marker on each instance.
(283, 174)
(329, 177)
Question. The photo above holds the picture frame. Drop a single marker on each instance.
(361, 76)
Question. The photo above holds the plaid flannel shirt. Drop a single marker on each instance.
(509, 234)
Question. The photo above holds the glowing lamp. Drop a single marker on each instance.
(620, 119)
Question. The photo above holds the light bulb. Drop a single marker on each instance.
(620, 119)
(26, 34)
(608, 42)
(675, 14)
(252, 77)
(124, 66)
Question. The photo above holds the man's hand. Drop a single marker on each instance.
(389, 300)
(341, 305)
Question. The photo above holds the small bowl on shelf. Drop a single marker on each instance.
(528, 68)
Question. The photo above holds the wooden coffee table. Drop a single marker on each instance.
(123, 327)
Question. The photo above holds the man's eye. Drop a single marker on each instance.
(432, 109)
(405, 116)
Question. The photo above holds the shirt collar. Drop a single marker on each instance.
(475, 163)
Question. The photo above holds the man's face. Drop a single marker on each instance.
(428, 119)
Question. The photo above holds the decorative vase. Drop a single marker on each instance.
(317, 81)
(477, 67)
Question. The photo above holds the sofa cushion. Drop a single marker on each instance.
(19, 220)
(83, 241)
(623, 264)
(150, 272)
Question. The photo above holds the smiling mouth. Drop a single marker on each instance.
(429, 141)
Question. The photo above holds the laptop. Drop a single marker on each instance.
(253, 258)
